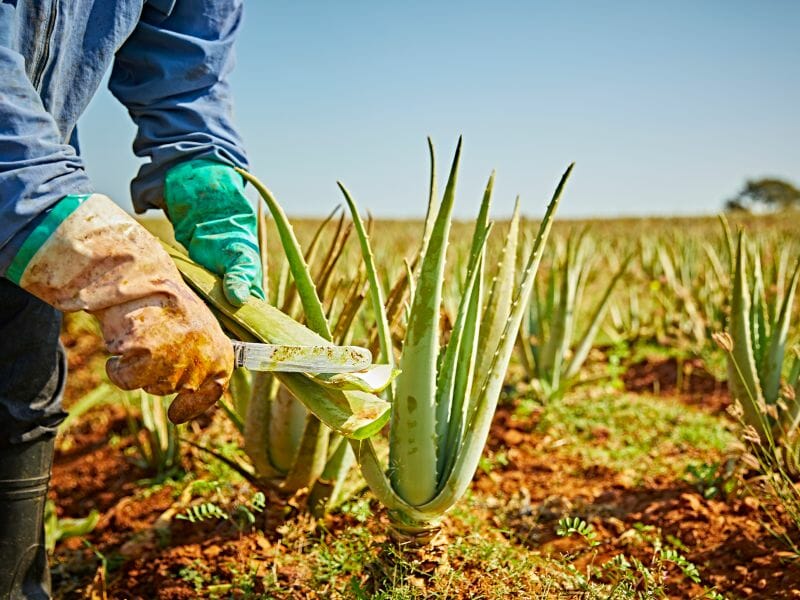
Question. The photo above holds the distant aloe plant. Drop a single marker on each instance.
(444, 398)
(764, 382)
(757, 346)
(549, 345)
(155, 437)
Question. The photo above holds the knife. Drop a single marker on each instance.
(301, 359)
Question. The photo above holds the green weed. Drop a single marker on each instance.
(638, 434)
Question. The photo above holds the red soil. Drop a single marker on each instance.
(525, 497)
(698, 387)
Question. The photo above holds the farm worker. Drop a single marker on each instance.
(64, 247)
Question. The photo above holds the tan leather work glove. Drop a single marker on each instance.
(88, 254)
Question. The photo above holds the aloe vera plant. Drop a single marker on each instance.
(294, 424)
(678, 269)
(155, 436)
(550, 348)
(288, 447)
(689, 289)
(758, 345)
(443, 400)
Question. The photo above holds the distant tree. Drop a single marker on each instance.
(765, 194)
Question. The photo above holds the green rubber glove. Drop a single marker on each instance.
(214, 220)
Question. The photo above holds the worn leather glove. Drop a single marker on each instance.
(88, 254)
(214, 220)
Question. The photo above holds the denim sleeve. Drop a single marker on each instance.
(172, 75)
(37, 168)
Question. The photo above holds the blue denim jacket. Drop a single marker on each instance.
(170, 60)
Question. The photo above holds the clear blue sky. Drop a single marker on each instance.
(666, 106)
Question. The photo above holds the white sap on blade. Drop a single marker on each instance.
(301, 359)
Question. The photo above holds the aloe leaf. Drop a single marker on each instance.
(552, 353)
(525, 351)
(265, 322)
(80, 526)
(349, 482)
(257, 424)
(374, 380)
(288, 291)
(585, 259)
(312, 306)
(464, 373)
(729, 244)
(433, 207)
(546, 320)
(577, 276)
(794, 371)
(449, 406)
(262, 248)
(668, 267)
(488, 393)
(375, 289)
(232, 414)
(353, 414)
(327, 492)
(286, 423)
(537, 307)
(380, 485)
(240, 389)
(412, 290)
(716, 265)
(742, 375)
(585, 345)
(790, 418)
(498, 304)
(781, 273)
(310, 459)
(771, 374)
(758, 310)
(413, 430)
(681, 293)
(554, 298)
(281, 289)
(459, 360)
(468, 351)
(478, 246)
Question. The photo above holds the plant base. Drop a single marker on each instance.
(410, 533)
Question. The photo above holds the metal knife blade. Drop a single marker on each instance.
(301, 359)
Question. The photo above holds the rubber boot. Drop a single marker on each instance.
(24, 475)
